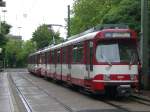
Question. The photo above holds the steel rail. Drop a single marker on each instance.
(22, 97)
(68, 108)
(122, 109)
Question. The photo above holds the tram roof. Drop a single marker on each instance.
(71, 41)
(74, 41)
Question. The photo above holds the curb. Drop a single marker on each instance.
(13, 103)
(18, 98)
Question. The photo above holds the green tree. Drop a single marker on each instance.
(89, 13)
(17, 51)
(27, 48)
(43, 36)
(12, 49)
(4, 30)
(127, 11)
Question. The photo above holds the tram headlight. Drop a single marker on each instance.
(133, 77)
(106, 77)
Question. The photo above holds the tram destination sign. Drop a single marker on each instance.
(117, 35)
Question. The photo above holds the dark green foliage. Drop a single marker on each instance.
(127, 11)
(89, 13)
(2, 40)
(16, 52)
(4, 30)
(44, 36)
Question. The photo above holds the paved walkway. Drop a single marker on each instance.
(6, 101)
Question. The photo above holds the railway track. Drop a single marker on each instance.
(19, 94)
(27, 105)
(121, 106)
(109, 102)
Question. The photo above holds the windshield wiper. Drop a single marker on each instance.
(107, 60)
(131, 60)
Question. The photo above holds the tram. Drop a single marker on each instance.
(101, 60)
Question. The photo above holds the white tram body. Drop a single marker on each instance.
(98, 61)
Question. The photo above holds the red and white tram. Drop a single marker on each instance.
(98, 61)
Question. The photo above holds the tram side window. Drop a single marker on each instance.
(74, 54)
(32, 60)
(58, 56)
(64, 56)
(35, 59)
(39, 59)
(48, 57)
(52, 57)
(69, 55)
(91, 55)
(42, 59)
(77, 53)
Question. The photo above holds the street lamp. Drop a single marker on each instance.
(50, 28)
(19, 30)
(4, 11)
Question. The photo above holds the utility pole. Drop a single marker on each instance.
(144, 43)
(68, 22)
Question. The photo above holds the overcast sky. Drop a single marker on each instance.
(29, 14)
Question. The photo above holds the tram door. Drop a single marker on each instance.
(52, 66)
(58, 67)
(77, 68)
(88, 59)
(69, 56)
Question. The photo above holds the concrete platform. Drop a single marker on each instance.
(7, 102)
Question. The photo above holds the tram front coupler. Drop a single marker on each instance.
(124, 90)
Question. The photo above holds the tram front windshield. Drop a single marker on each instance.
(117, 52)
